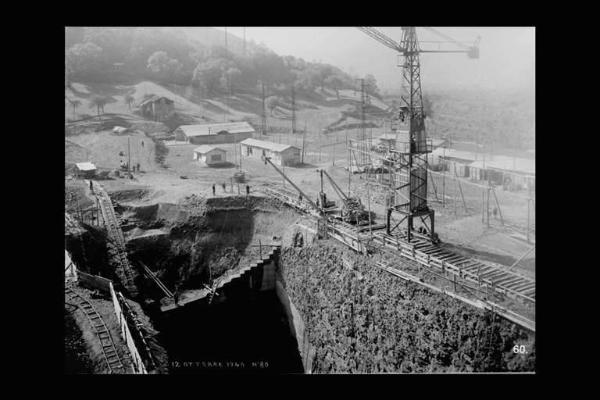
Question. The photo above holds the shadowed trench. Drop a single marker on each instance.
(248, 333)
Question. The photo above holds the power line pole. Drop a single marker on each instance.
(303, 141)
(128, 157)
(226, 78)
(363, 129)
(264, 111)
(369, 207)
(293, 110)
(235, 154)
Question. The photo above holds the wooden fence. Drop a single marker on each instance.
(106, 286)
(138, 363)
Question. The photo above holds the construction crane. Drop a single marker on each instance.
(353, 211)
(303, 195)
(411, 163)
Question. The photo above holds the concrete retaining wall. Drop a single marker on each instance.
(296, 327)
(268, 276)
(94, 282)
(138, 364)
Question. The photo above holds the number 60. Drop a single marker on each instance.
(519, 349)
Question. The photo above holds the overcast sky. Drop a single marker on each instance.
(507, 55)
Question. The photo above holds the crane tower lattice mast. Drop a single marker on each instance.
(407, 177)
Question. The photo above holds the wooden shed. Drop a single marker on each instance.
(210, 155)
(281, 154)
(85, 170)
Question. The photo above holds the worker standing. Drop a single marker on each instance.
(214, 190)
(247, 190)
(176, 295)
(224, 187)
(138, 167)
(91, 187)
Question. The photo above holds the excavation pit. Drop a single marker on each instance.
(191, 245)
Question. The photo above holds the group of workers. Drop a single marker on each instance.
(224, 186)
(134, 168)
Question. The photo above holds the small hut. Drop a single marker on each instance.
(85, 170)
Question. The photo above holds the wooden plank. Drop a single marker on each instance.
(454, 260)
(446, 257)
(489, 274)
(462, 262)
(514, 285)
(528, 287)
(471, 268)
(486, 270)
(506, 280)
(523, 286)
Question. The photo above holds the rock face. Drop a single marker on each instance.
(359, 319)
(181, 241)
(87, 246)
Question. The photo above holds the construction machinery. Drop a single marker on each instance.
(302, 195)
(408, 177)
(352, 210)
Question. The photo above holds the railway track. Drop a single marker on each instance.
(113, 361)
(487, 277)
(483, 304)
(124, 268)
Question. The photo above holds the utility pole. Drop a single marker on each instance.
(363, 129)
(128, 157)
(264, 112)
(488, 206)
(234, 157)
(319, 141)
(303, 141)
(444, 180)
(227, 78)
(369, 207)
(337, 136)
(528, 216)
(293, 110)
(482, 206)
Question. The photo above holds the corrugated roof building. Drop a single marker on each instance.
(505, 170)
(230, 132)
(281, 154)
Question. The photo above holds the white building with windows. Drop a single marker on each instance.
(210, 155)
(280, 154)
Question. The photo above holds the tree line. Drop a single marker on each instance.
(170, 57)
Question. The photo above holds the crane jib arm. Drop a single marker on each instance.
(293, 184)
(472, 51)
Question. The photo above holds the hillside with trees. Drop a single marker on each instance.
(115, 55)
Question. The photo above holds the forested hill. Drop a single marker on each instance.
(196, 57)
